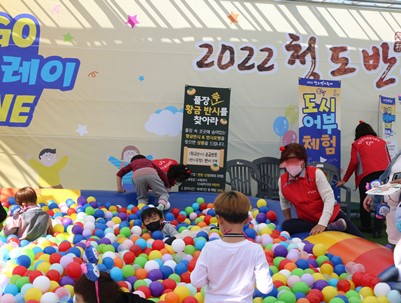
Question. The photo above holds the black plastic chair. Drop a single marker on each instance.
(333, 175)
(241, 173)
(269, 173)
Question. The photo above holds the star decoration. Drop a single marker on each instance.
(132, 20)
(141, 78)
(81, 130)
(68, 37)
(233, 18)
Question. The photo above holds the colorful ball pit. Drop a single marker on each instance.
(303, 271)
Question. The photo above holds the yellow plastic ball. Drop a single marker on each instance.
(116, 220)
(59, 228)
(91, 199)
(261, 202)
(182, 292)
(319, 249)
(43, 267)
(326, 269)
(265, 231)
(383, 299)
(199, 297)
(155, 254)
(366, 291)
(280, 277)
(370, 299)
(214, 220)
(318, 276)
(33, 294)
(329, 292)
(53, 285)
(140, 206)
(44, 257)
(70, 288)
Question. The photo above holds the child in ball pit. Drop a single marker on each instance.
(146, 175)
(31, 222)
(106, 291)
(153, 220)
(231, 266)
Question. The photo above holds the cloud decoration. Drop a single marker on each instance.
(165, 122)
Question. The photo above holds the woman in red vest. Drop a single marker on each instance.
(306, 189)
(369, 159)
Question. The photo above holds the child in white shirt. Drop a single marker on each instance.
(230, 267)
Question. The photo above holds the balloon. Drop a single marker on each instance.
(280, 125)
(289, 137)
(291, 113)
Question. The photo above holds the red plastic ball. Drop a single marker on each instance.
(191, 264)
(53, 275)
(203, 206)
(189, 240)
(175, 211)
(207, 219)
(147, 250)
(158, 245)
(271, 215)
(174, 222)
(357, 278)
(185, 277)
(169, 284)
(19, 270)
(181, 218)
(145, 290)
(74, 270)
(136, 249)
(343, 285)
(189, 300)
(64, 246)
(34, 274)
(129, 257)
(71, 211)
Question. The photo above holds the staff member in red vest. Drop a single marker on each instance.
(369, 159)
(306, 189)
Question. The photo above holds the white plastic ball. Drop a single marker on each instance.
(42, 282)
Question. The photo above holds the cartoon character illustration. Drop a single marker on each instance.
(126, 155)
(48, 168)
(388, 119)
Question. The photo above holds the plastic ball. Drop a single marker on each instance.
(74, 270)
(182, 292)
(49, 297)
(381, 289)
(33, 294)
(178, 245)
(42, 283)
(319, 249)
(7, 298)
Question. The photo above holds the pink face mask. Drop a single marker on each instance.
(293, 166)
(294, 170)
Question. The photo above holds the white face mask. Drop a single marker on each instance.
(294, 170)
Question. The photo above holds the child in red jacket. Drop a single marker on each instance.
(146, 175)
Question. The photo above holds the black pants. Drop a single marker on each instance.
(365, 216)
(294, 226)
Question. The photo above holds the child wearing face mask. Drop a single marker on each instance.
(152, 219)
(306, 189)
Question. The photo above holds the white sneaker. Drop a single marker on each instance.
(162, 205)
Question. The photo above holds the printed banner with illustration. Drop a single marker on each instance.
(320, 121)
(205, 137)
(387, 112)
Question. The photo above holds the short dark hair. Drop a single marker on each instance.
(136, 157)
(364, 129)
(296, 149)
(47, 150)
(109, 290)
(178, 172)
(148, 212)
(232, 206)
(26, 195)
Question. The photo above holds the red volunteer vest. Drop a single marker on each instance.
(303, 194)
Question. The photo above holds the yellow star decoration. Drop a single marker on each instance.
(233, 17)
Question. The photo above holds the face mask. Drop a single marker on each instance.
(153, 226)
(294, 170)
